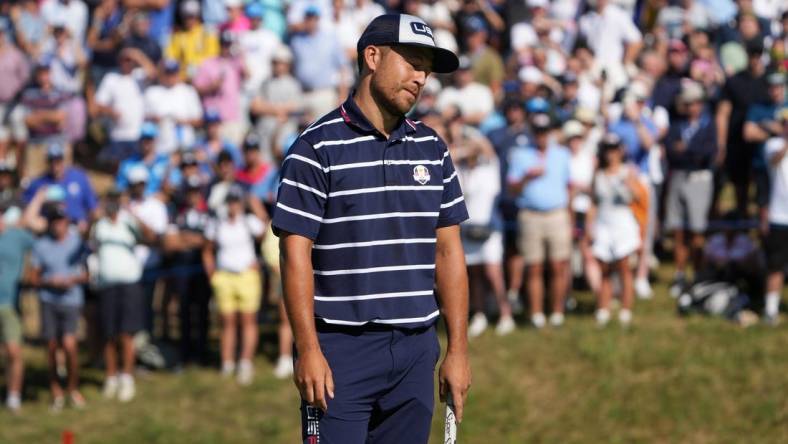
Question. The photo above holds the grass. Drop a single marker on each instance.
(667, 379)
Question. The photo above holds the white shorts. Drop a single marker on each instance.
(614, 243)
(487, 252)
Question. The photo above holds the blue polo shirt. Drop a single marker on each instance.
(549, 191)
(80, 198)
(372, 206)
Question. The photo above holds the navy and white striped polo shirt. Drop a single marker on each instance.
(372, 207)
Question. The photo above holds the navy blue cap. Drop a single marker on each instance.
(235, 192)
(610, 140)
(55, 151)
(212, 116)
(475, 24)
(251, 142)
(312, 11)
(171, 66)
(404, 29)
(149, 131)
(541, 122)
(188, 158)
(227, 37)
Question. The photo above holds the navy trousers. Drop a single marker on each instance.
(383, 386)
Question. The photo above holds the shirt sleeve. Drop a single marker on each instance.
(210, 229)
(303, 192)
(452, 210)
(104, 92)
(517, 166)
(88, 194)
(35, 256)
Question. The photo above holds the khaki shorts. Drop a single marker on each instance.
(237, 292)
(544, 235)
(10, 327)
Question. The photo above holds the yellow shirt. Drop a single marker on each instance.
(190, 47)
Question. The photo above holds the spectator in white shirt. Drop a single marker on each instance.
(231, 265)
(257, 46)
(175, 106)
(72, 13)
(119, 97)
(474, 100)
(613, 37)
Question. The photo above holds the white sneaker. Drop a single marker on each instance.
(228, 368)
(126, 389)
(505, 326)
(625, 317)
(13, 402)
(245, 372)
(643, 288)
(538, 320)
(556, 319)
(284, 367)
(602, 317)
(478, 325)
(110, 387)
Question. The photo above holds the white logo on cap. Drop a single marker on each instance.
(421, 29)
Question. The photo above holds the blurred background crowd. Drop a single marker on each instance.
(140, 144)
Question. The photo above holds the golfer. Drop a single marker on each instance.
(368, 215)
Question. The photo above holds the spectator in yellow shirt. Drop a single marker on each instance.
(193, 43)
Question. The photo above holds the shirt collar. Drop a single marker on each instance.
(353, 116)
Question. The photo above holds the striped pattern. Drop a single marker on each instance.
(372, 207)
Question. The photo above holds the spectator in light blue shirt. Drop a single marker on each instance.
(158, 165)
(538, 177)
(320, 65)
(637, 130)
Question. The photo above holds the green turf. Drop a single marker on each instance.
(666, 380)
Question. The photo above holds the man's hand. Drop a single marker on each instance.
(314, 379)
(454, 377)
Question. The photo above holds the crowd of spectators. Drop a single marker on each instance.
(587, 136)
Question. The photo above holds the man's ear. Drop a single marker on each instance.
(372, 57)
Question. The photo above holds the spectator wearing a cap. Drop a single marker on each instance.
(515, 133)
(237, 22)
(73, 14)
(258, 45)
(118, 271)
(80, 198)
(612, 226)
(140, 37)
(184, 241)
(119, 99)
(224, 180)
(219, 81)
(254, 173)
(350, 215)
(58, 271)
(539, 178)
(761, 124)
(213, 143)
(776, 241)
(157, 165)
(278, 104)
(691, 147)
(479, 174)
(299, 12)
(15, 71)
(486, 63)
(193, 43)
(150, 209)
(472, 99)
(613, 37)
(531, 81)
(15, 242)
(42, 109)
(741, 90)
(668, 86)
(232, 268)
(68, 63)
(320, 65)
(175, 107)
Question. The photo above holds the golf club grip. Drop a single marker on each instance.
(450, 425)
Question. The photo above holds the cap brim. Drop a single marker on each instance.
(443, 60)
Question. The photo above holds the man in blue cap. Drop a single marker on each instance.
(368, 213)
(80, 198)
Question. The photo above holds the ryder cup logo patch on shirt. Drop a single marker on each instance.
(414, 30)
(421, 174)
